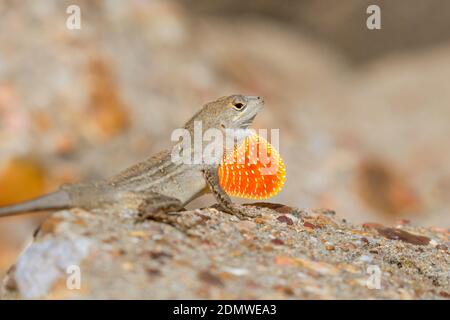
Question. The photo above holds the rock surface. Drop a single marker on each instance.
(367, 139)
(286, 253)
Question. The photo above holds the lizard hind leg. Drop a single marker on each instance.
(157, 207)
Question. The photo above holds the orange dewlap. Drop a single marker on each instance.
(254, 170)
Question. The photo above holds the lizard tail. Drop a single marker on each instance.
(52, 201)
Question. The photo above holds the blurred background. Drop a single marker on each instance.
(363, 114)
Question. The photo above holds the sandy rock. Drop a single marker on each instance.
(221, 257)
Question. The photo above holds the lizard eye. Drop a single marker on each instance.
(239, 106)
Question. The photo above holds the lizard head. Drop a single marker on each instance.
(229, 112)
(230, 115)
(237, 111)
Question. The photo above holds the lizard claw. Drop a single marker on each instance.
(242, 212)
(184, 222)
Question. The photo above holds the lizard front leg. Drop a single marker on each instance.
(211, 175)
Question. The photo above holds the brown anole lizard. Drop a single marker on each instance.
(158, 185)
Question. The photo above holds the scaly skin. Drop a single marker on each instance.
(158, 185)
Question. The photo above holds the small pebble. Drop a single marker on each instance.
(277, 241)
(210, 278)
(236, 271)
(285, 219)
(307, 224)
(365, 258)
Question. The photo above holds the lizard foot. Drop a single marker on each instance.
(175, 219)
(169, 213)
(242, 212)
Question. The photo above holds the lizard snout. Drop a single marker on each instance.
(257, 98)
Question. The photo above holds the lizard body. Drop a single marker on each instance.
(158, 184)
